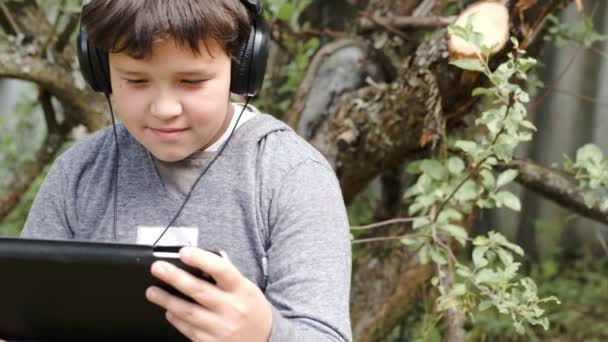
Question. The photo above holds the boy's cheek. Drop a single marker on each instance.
(129, 104)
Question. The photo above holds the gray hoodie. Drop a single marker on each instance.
(271, 201)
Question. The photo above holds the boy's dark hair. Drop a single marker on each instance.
(132, 26)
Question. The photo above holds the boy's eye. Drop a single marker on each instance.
(193, 82)
(135, 81)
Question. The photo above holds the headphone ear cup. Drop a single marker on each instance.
(94, 64)
(248, 72)
(239, 78)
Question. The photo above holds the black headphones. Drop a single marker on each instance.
(247, 74)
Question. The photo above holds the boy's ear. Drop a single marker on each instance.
(250, 67)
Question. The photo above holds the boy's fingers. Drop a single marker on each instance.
(225, 274)
(185, 311)
(188, 329)
(199, 290)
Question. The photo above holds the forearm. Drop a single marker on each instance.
(284, 329)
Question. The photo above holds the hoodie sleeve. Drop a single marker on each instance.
(309, 259)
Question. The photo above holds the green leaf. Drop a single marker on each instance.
(458, 30)
(486, 203)
(412, 191)
(504, 150)
(523, 97)
(286, 12)
(515, 248)
(469, 64)
(415, 208)
(412, 243)
(455, 165)
(421, 222)
(463, 271)
(433, 168)
(467, 192)
(515, 42)
(438, 257)
(506, 178)
(509, 200)
(505, 256)
(488, 180)
(423, 254)
(589, 152)
(459, 233)
(484, 305)
(487, 50)
(459, 290)
(487, 276)
(449, 214)
(465, 145)
(483, 91)
(414, 167)
(478, 256)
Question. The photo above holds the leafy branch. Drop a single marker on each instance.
(590, 169)
(451, 187)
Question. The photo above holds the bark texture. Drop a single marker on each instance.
(558, 186)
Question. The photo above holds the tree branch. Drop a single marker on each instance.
(28, 173)
(371, 22)
(88, 106)
(384, 287)
(7, 22)
(56, 137)
(27, 61)
(556, 186)
(52, 33)
(64, 37)
(44, 97)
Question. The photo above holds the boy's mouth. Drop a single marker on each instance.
(168, 133)
(168, 130)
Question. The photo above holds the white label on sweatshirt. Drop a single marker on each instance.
(175, 236)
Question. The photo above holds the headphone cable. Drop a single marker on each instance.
(115, 165)
(247, 98)
(222, 148)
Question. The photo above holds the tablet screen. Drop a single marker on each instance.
(67, 290)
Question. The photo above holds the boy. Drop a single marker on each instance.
(267, 198)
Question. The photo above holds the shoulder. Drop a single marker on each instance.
(283, 150)
(295, 178)
(93, 149)
(88, 145)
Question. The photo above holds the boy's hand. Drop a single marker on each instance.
(232, 310)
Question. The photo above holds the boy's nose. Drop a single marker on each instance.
(165, 107)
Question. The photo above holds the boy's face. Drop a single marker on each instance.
(174, 102)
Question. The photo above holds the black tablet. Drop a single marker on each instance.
(82, 291)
